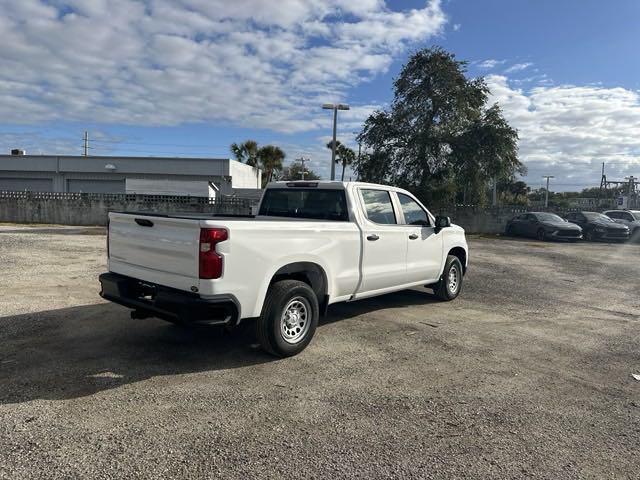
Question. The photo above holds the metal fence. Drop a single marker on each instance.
(126, 197)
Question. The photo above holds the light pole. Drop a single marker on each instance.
(546, 193)
(335, 107)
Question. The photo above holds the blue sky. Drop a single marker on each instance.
(188, 77)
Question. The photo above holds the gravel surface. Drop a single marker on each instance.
(527, 374)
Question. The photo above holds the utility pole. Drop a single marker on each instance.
(546, 193)
(86, 144)
(632, 187)
(359, 145)
(631, 201)
(335, 107)
(303, 172)
(495, 193)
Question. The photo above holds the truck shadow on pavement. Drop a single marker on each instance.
(79, 351)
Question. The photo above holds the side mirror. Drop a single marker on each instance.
(442, 222)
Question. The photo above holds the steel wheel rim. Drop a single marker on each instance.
(454, 276)
(295, 320)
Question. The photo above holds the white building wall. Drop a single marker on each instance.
(165, 176)
(166, 186)
(244, 176)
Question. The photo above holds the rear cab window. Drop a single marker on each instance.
(378, 206)
(310, 203)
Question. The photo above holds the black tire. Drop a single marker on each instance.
(509, 231)
(541, 234)
(278, 337)
(443, 289)
(588, 236)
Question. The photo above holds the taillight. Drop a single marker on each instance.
(210, 261)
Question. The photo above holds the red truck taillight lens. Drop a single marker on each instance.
(211, 262)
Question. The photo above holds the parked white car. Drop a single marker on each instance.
(312, 244)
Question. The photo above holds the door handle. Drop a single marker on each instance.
(413, 236)
(143, 222)
(373, 237)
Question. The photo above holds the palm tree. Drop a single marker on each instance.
(246, 152)
(344, 155)
(271, 158)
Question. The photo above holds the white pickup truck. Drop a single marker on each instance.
(312, 244)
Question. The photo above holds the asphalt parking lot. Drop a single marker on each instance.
(527, 374)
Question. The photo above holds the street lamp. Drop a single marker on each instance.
(335, 107)
(546, 193)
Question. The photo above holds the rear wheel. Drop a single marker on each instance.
(589, 236)
(289, 318)
(542, 234)
(450, 283)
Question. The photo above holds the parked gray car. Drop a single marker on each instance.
(543, 226)
(597, 226)
(630, 218)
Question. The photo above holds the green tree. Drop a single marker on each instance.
(246, 152)
(439, 136)
(270, 160)
(344, 155)
(513, 191)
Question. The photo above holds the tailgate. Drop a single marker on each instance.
(156, 249)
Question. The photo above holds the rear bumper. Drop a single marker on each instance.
(151, 300)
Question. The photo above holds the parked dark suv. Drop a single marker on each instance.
(597, 226)
(543, 226)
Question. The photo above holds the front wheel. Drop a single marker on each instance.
(289, 318)
(509, 232)
(450, 283)
(542, 234)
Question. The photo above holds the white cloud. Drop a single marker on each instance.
(456, 27)
(490, 63)
(518, 67)
(252, 63)
(570, 130)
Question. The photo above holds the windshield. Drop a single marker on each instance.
(549, 217)
(636, 214)
(595, 216)
(305, 203)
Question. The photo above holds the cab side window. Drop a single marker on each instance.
(414, 214)
(379, 207)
